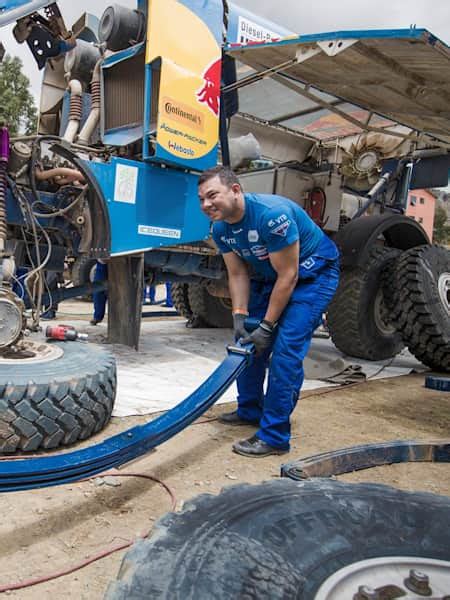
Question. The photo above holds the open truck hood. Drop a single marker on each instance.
(11, 10)
(352, 81)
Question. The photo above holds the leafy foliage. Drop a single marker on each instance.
(17, 108)
(441, 230)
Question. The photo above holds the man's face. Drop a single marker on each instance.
(217, 201)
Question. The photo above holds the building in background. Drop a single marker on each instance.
(421, 207)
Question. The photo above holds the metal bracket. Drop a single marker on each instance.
(335, 47)
(304, 53)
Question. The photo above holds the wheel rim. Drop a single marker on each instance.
(32, 352)
(380, 313)
(414, 576)
(444, 290)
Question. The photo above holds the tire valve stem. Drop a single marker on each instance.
(418, 582)
(4, 158)
(64, 333)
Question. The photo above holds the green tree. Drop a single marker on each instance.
(441, 231)
(17, 108)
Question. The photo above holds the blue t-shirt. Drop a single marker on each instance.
(270, 223)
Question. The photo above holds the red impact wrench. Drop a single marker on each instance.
(64, 333)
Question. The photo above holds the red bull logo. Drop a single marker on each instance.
(210, 92)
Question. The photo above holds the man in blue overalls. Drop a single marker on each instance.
(283, 270)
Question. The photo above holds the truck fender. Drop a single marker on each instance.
(100, 224)
(357, 237)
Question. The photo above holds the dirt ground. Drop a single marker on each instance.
(49, 530)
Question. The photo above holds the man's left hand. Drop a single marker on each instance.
(261, 338)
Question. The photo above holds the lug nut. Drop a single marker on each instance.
(418, 582)
(366, 593)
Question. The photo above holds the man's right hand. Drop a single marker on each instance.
(239, 326)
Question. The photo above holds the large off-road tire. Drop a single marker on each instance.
(66, 393)
(285, 539)
(357, 316)
(422, 304)
(83, 272)
(214, 311)
(180, 299)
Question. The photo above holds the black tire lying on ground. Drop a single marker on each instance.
(66, 396)
(357, 317)
(422, 300)
(180, 299)
(214, 311)
(284, 539)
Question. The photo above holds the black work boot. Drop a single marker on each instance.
(232, 418)
(256, 448)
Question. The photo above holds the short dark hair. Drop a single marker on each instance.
(225, 174)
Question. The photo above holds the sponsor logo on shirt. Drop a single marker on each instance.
(281, 229)
(246, 252)
(277, 220)
(308, 263)
(260, 252)
(237, 231)
(228, 241)
(253, 235)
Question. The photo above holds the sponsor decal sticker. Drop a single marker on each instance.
(253, 235)
(159, 231)
(209, 94)
(178, 111)
(125, 185)
(248, 31)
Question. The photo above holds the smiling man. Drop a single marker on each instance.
(283, 270)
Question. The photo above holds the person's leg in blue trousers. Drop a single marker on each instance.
(99, 298)
(250, 383)
(294, 333)
(169, 301)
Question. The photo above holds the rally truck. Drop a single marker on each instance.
(135, 105)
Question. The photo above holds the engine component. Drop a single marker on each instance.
(80, 61)
(20, 155)
(94, 116)
(76, 101)
(4, 157)
(11, 318)
(361, 163)
(121, 27)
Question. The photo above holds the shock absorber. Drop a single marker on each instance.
(4, 157)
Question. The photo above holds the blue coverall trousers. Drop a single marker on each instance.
(99, 298)
(315, 289)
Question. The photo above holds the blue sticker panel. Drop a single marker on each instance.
(149, 206)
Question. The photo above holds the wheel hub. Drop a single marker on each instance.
(31, 352)
(406, 577)
(11, 318)
(380, 315)
(444, 290)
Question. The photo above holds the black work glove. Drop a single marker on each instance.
(261, 338)
(239, 326)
